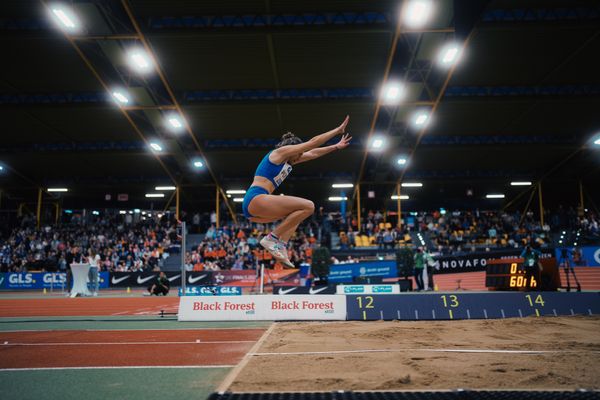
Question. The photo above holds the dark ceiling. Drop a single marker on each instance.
(522, 104)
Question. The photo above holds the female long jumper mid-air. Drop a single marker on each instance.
(261, 206)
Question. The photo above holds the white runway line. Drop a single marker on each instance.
(124, 367)
(501, 351)
(224, 386)
(123, 343)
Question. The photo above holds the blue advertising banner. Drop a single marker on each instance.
(346, 272)
(591, 256)
(212, 291)
(41, 280)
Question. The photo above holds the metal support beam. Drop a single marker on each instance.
(217, 203)
(358, 209)
(105, 37)
(177, 203)
(88, 63)
(56, 213)
(541, 203)
(38, 213)
(524, 213)
(173, 99)
(144, 108)
(386, 74)
(399, 207)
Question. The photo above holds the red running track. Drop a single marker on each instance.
(82, 306)
(71, 349)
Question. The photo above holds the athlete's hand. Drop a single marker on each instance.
(344, 142)
(342, 127)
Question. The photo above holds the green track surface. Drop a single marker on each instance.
(155, 383)
(118, 322)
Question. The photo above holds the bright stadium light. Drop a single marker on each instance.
(1, 168)
(155, 146)
(342, 185)
(152, 195)
(449, 55)
(65, 17)
(238, 199)
(494, 196)
(198, 164)
(597, 142)
(412, 184)
(392, 93)
(137, 210)
(159, 188)
(57, 190)
(377, 143)
(174, 122)
(235, 191)
(520, 183)
(401, 161)
(122, 212)
(95, 212)
(402, 197)
(120, 96)
(337, 198)
(139, 61)
(420, 118)
(417, 13)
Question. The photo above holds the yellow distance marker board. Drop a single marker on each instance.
(445, 306)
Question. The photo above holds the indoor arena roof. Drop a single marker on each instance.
(521, 104)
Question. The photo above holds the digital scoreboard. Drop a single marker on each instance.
(509, 275)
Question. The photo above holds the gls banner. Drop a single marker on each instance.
(304, 290)
(42, 280)
(262, 308)
(212, 291)
(144, 279)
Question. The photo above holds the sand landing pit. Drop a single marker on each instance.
(530, 353)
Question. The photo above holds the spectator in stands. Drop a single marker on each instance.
(160, 286)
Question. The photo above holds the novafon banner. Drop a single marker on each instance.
(263, 308)
(42, 280)
(368, 289)
(212, 291)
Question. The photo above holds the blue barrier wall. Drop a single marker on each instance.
(444, 306)
(339, 273)
(41, 280)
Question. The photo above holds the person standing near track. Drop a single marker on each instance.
(260, 205)
(94, 261)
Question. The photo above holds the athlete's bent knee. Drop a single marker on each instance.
(309, 207)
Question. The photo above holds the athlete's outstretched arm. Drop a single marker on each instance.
(321, 151)
(287, 152)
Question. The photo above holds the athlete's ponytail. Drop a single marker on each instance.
(288, 139)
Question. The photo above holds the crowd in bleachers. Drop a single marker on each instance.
(462, 231)
(237, 247)
(135, 243)
(123, 244)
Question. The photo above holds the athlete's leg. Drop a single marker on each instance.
(292, 209)
(286, 229)
(269, 207)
